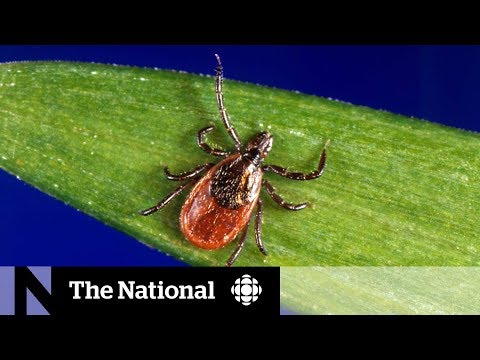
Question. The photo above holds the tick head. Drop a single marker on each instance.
(258, 148)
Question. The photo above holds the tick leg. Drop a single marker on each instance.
(258, 227)
(167, 198)
(188, 174)
(205, 147)
(278, 199)
(239, 248)
(297, 175)
(221, 107)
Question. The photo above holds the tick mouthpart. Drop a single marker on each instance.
(261, 143)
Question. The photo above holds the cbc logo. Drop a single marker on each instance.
(246, 290)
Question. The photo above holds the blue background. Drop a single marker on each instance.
(438, 83)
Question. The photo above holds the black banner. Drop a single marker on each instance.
(147, 292)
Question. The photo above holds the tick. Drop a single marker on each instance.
(222, 201)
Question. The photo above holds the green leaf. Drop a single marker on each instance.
(381, 290)
(396, 191)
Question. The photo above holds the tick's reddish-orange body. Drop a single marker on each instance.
(208, 224)
(222, 201)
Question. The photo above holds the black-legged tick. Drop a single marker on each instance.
(222, 201)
